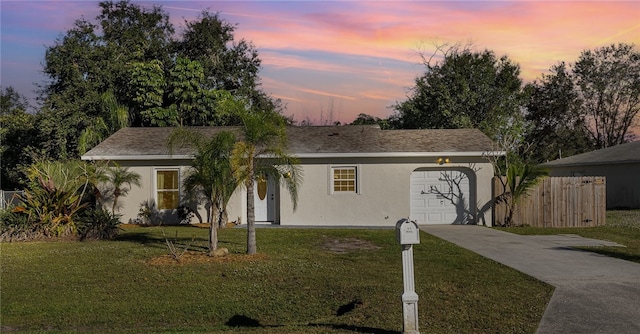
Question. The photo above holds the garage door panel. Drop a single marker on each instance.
(431, 193)
(450, 217)
(432, 174)
(434, 217)
(419, 190)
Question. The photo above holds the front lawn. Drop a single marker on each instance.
(622, 227)
(302, 281)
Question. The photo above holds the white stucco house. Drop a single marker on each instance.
(352, 176)
(619, 164)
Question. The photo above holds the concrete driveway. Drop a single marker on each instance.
(594, 293)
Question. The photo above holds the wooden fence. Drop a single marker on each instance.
(558, 202)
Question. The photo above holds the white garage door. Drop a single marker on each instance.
(440, 197)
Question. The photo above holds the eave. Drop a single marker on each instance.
(309, 155)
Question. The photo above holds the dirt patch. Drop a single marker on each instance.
(192, 257)
(345, 245)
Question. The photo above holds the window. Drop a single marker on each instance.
(167, 189)
(344, 179)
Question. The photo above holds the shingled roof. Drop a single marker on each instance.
(619, 154)
(351, 140)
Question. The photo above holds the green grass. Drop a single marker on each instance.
(294, 286)
(622, 227)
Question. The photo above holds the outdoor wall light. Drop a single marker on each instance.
(442, 161)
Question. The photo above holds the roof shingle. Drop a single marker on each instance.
(307, 140)
(623, 153)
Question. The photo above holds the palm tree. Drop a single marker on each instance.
(119, 176)
(210, 174)
(261, 153)
(520, 178)
(117, 117)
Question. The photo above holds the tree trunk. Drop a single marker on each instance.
(115, 203)
(213, 230)
(213, 238)
(223, 218)
(251, 219)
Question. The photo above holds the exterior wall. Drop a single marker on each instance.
(623, 182)
(129, 206)
(383, 197)
(384, 192)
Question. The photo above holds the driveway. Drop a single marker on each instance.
(594, 293)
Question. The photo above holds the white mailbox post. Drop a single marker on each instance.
(408, 234)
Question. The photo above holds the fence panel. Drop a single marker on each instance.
(8, 198)
(557, 202)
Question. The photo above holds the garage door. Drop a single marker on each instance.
(440, 197)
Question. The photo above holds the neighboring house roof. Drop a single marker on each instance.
(619, 154)
(311, 141)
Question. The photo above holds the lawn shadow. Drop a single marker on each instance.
(616, 252)
(240, 320)
(158, 238)
(143, 238)
(356, 329)
(346, 308)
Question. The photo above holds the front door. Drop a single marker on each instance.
(264, 200)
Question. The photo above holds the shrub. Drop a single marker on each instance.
(51, 208)
(98, 224)
(17, 226)
(58, 191)
(185, 214)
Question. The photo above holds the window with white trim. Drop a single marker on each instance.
(344, 179)
(167, 189)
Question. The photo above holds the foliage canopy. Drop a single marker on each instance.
(128, 60)
(466, 89)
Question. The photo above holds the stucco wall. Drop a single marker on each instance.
(129, 206)
(384, 195)
(623, 182)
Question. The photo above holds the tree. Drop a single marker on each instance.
(227, 64)
(364, 119)
(516, 176)
(261, 154)
(90, 60)
(520, 177)
(553, 113)
(608, 84)
(133, 53)
(210, 174)
(118, 177)
(465, 89)
(117, 117)
(17, 138)
(177, 98)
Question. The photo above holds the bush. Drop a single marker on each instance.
(98, 224)
(17, 226)
(52, 208)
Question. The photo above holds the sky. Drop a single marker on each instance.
(329, 61)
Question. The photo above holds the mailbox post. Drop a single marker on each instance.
(408, 234)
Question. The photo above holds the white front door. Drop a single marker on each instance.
(264, 200)
(440, 197)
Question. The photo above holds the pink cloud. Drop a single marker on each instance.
(364, 54)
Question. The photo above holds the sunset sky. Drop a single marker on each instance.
(331, 60)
